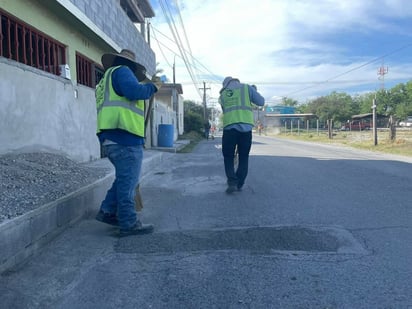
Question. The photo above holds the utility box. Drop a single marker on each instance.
(64, 71)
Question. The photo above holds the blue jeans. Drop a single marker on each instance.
(243, 140)
(119, 200)
(206, 133)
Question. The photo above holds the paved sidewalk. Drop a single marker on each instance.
(24, 235)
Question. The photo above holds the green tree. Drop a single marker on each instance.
(289, 102)
(193, 122)
(192, 106)
(341, 106)
(336, 106)
(364, 103)
(400, 97)
(193, 118)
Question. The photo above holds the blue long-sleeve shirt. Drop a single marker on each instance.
(125, 84)
(255, 96)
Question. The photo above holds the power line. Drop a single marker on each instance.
(169, 18)
(207, 71)
(160, 48)
(354, 69)
(184, 29)
(191, 61)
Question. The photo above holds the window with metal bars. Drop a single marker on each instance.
(23, 43)
(88, 72)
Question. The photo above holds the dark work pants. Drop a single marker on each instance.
(243, 141)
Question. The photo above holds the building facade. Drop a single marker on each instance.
(50, 55)
(168, 109)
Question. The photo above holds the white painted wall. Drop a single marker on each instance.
(162, 114)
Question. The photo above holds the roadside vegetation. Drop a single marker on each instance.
(194, 138)
(336, 110)
(395, 102)
(401, 145)
(193, 123)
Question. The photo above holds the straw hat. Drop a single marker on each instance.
(128, 58)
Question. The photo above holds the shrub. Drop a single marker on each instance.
(193, 122)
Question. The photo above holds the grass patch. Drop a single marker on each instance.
(402, 145)
(194, 137)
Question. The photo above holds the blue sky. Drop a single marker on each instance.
(301, 49)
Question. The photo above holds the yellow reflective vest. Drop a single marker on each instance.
(236, 106)
(117, 112)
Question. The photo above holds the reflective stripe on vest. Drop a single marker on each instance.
(108, 102)
(127, 115)
(236, 106)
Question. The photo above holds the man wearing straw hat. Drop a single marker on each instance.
(120, 128)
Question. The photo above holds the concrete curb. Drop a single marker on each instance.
(178, 145)
(23, 236)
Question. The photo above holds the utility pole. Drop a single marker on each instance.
(174, 97)
(381, 72)
(148, 33)
(375, 131)
(204, 100)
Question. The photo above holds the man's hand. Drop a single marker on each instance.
(157, 82)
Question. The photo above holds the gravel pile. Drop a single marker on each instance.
(30, 180)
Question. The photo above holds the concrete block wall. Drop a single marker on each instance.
(108, 16)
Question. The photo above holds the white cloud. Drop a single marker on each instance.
(283, 46)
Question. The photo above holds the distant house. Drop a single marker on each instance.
(279, 116)
(50, 55)
(168, 109)
(381, 120)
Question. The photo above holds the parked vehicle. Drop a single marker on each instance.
(407, 122)
(356, 125)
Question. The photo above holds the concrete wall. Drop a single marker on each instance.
(40, 110)
(163, 113)
(180, 115)
(110, 18)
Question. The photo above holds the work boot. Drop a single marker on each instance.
(230, 189)
(137, 229)
(107, 218)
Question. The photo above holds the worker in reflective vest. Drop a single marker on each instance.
(115, 111)
(120, 128)
(236, 100)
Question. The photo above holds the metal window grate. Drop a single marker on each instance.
(88, 72)
(24, 44)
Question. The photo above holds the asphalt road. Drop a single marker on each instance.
(316, 226)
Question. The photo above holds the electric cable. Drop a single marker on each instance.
(173, 29)
(192, 62)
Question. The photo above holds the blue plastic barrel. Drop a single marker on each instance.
(165, 135)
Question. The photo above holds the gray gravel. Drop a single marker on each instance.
(30, 180)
